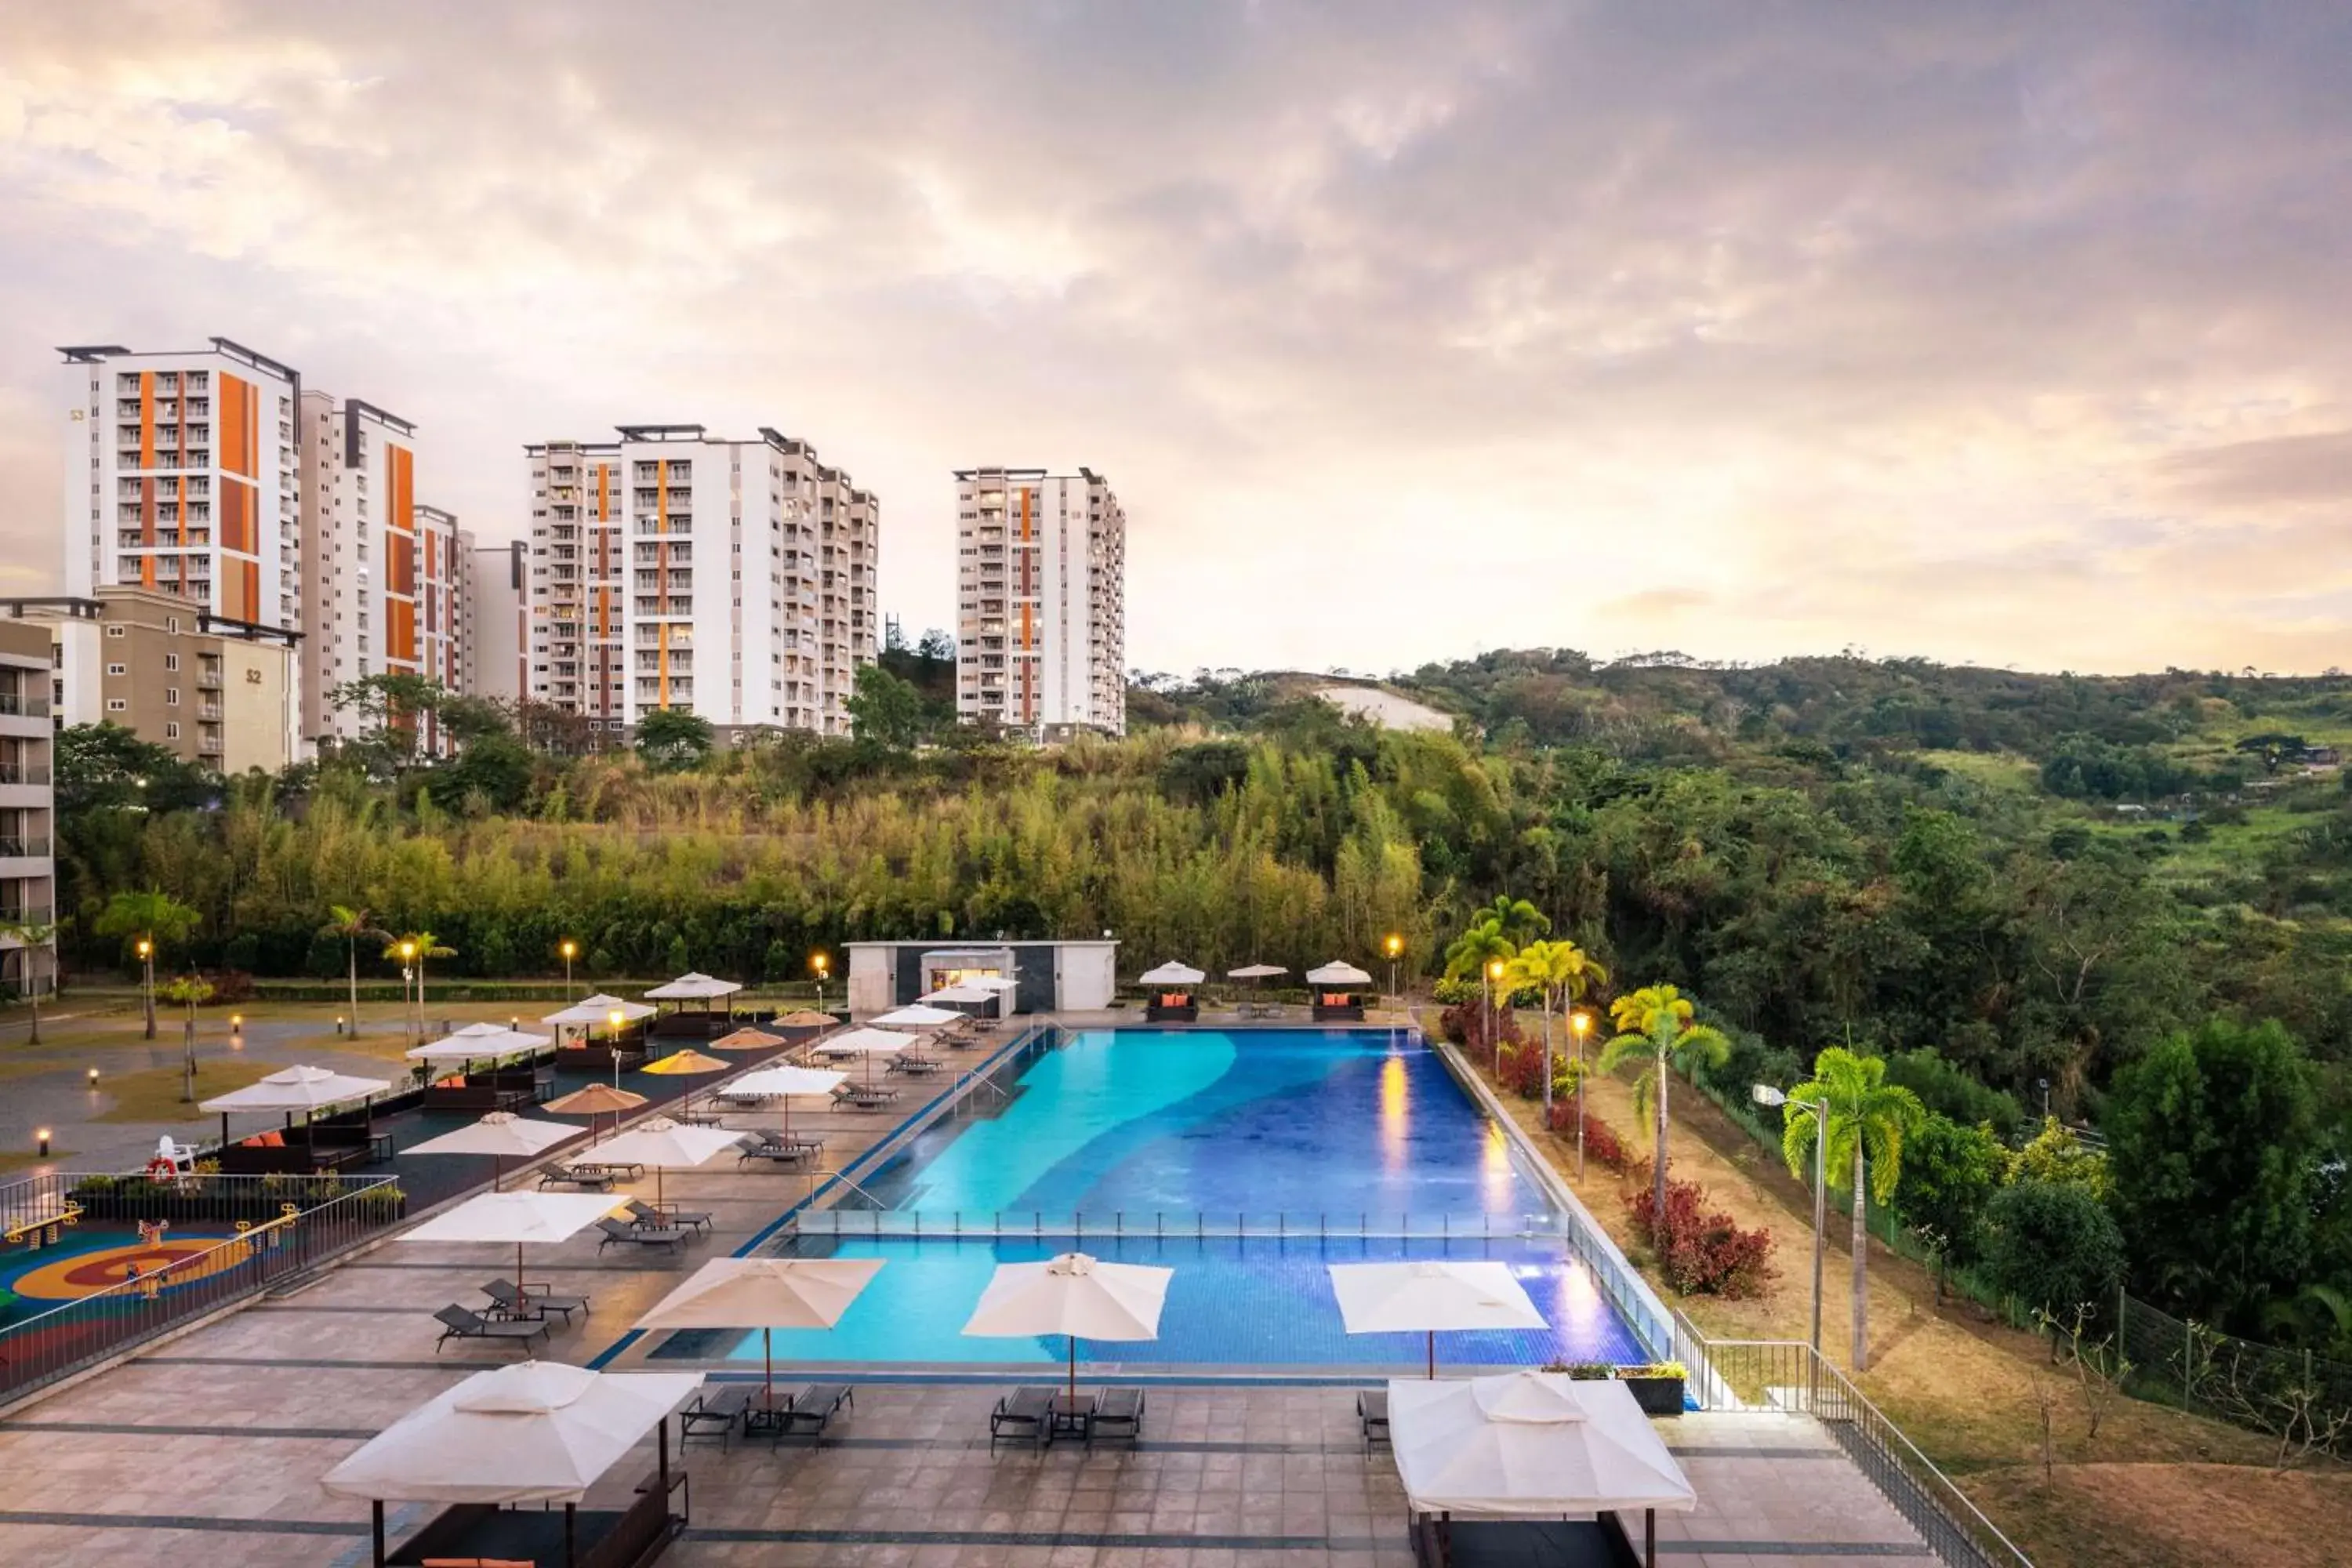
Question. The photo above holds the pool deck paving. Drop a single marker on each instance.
(209, 1449)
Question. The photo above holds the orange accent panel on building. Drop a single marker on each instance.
(238, 509)
(147, 461)
(400, 631)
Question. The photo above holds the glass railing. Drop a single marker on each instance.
(17, 848)
(18, 773)
(1191, 1225)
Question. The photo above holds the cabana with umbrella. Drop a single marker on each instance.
(532, 1433)
(1076, 1296)
(1430, 1295)
(1563, 1461)
(697, 988)
(344, 1139)
(662, 1144)
(520, 1219)
(496, 1087)
(616, 1051)
(1254, 973)
(1335, 985)
(766, 1294)
(1171, 1001)
(503, 1136)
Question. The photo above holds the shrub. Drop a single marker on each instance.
(1523, 1069)
(2059, 1158)
(1466, 1027)
(1949, 1091)
(2052, 1246)
(1702, 1254)
(1602, 1144)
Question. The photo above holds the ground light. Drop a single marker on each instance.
(93, 1077)
(1765, 1094)
(43, 1135)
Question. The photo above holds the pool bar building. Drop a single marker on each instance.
(1049, 976)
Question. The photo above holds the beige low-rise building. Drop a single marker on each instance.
(28, 810)
(214, 690)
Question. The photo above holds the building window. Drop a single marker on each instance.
(171, 697)
(171, 732)
(172, 624)
(116, 705)
(171, 661)
(116, 631)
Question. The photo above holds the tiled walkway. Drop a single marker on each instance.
(209, 1451)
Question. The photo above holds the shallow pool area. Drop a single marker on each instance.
(1247, 1161)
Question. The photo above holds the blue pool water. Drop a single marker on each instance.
(1327, 1129)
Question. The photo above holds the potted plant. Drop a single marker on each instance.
(1657, 1386)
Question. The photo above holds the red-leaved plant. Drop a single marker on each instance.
(1701, 1254)
(1602, 1147)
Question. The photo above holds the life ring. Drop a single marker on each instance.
(161, 1171)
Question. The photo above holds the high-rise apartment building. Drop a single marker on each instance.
(674, 569)
(497, 621)
(382, 574)
(181, 475)
(1041, 601)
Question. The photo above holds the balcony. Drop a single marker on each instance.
(22, 849)
(28, 914)
(23, 706)
(208, 745)
(23, 773)
(208, 677)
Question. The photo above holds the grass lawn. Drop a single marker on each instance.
(2156, 1488)
(154, 1095)
(17, 1159)
(1995, 770)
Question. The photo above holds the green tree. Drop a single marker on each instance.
(1658, 1026)
(2055, 1155)
(1558, 971)
(33, 938)
(2052, 1247)
(1950, 1172)
(884, 711)
(353, 924)
(673, 739)
(153, 917)
(191, 991)
(1866, 1121)
(2214, 1143)
(1519, 920)
(106, 767)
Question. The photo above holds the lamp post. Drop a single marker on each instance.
(570, 950)
(1395, 946)
(1765, 1094)
(147, 982)
(820, 963)
(1493, 978)
(615, 1020)
(407, 992)
(1578, 1021)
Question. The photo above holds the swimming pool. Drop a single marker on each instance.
(1357, 1145)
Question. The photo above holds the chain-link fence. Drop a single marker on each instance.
(2300, 1400)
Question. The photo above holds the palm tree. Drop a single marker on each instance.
(1480, 948)
(353, 925)
(416, 946)
(1656, 1024)
(154, 918)
(1558, 971)
(192, 992)
(1520, 921)
(32, 936)
(1867, 1119)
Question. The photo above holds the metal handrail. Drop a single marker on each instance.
(1789, 1375)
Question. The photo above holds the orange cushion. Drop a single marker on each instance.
(1335, 998)
(454, 1081)
(273, 1140)
(254, 1143)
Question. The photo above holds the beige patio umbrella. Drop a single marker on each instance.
(766, 1294)
(597, 1100)
(748, 1038)
(502, 1134)
(663, 1144)
(522, 1218)
(688, 1062)
(1425, 1295)
(807, 1018)
(1074, 1295)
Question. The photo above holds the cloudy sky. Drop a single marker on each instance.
(1402, 331)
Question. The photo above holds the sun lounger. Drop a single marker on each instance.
(647, 1215)
(643, 1235)
(1117, 1415)
(811, 1408)
(770, 1146)
(914, 1066)
(1023, 1416)
(535, 1302)
(863, 1097)
(595, 1176)
(715, 1413)
(465, 1323)
(1372, 1411)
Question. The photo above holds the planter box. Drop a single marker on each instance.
(1656, 1395)
(208, 1209)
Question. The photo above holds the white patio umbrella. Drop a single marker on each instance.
(599, 1009)
(1338, 973)
(1074, 1295)
(304, 1089)
(966, 994)
(662, 1144)
(693, 986)
(1170, 973)
(522, 1218)
(866, 1043)
(766, 1294)
(504, 1136)
(1425, 1295)
(477, 1042)
(785, 1083)
(1255, 972)
(1530, 1444)
(917, 1017)
(991, 981)
(532, 1431)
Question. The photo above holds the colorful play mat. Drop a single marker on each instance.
(85, 1261)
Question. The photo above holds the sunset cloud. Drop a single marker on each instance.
(1401, 329)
